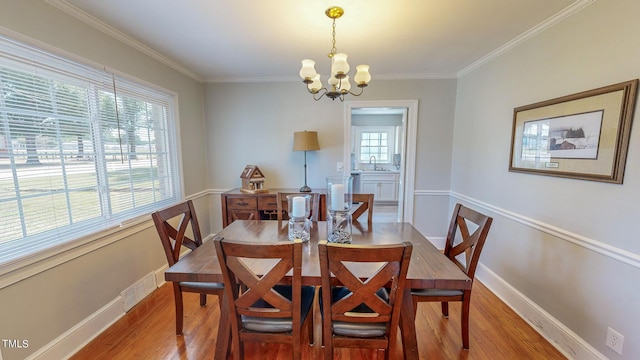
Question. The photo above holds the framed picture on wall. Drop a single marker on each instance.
(582, 136)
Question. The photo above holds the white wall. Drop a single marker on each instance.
(49, 299)
(253, 123)
(568, 245)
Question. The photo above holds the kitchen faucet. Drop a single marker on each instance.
(375, 165)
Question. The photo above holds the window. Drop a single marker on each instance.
(375, 141)
(80, 150)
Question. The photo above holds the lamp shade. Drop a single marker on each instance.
(305, 141)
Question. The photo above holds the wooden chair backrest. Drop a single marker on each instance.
(246, 288)
(366, 203)
(174, 237)
(470, 244)
(283, 206)
(243, 216)
(389, 264)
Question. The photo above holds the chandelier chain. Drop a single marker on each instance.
(333, 41)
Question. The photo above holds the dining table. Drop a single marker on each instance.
(429, 267)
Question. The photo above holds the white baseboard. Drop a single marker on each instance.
(561, 337)
(74, 339)
(78, 336)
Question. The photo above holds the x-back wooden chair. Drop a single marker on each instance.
(356, 312)
(261, 307)
(365, 202)
(469, 246)
(173, 238)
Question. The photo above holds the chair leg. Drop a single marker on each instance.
(239, 351)
(203, 299)
(296, 353)
(308, 327)
(219, 296)
(445, 309)
(327, 345)
(177, 295)
(465, 321)
(415, 306)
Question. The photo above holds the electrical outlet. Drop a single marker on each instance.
(614, 340)
(339, 166)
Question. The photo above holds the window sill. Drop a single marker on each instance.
(22, 267)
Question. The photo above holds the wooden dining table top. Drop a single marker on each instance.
(428, 268)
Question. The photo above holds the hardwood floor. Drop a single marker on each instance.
(148, 332)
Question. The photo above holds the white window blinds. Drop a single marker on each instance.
(81, 150)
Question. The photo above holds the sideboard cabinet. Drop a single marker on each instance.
(237, 205)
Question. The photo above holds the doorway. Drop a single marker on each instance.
(406, 152)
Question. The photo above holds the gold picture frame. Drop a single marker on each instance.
(581, 136)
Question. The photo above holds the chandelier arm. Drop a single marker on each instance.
(323, 90)
(358, 94)
(317, 91)
(320, 97)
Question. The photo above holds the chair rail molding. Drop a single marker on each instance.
(599, 247)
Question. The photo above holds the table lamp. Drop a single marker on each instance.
(305, 141)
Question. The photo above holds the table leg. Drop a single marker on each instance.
(224, 331)
(408, 327)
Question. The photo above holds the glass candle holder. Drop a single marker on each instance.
(299, 211)
(339, 202)
(339, 227)
(299, 206)
(339, 193)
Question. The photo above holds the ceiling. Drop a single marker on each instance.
(254, 40)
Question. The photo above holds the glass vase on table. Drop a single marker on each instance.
(339, 201)
(299, 211)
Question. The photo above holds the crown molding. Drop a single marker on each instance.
(64, 6)
(558, 17)
(101, 26)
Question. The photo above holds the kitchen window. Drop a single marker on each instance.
(375, 141)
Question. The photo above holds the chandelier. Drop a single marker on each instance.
(339, 84)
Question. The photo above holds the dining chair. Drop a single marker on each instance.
(173, 238)
(283, 206)
(262, 308)
(359, 313)
(467, 246)
(365, 202)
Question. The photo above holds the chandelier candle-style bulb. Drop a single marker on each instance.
(333, 81)
(340, 65)
(362, 77)
(315, 85)
(308, 71)
(338, 82)
(345, 85)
